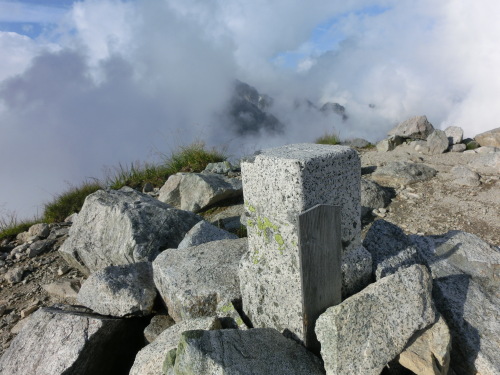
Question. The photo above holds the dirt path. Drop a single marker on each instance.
(439, 205)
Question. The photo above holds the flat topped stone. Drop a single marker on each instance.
(303, 152)
(235, 352)
(65, 340)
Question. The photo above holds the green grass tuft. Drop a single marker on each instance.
(328, 139)
(69, 202)
(137, 175)
(193, 158)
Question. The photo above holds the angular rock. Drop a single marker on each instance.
(428, 352)
(414, 128)
(487, 150)
(229, 219)
(372, 196)
(24, 237)
(390, 143)
(19, 249)
(149, 360)
(402, 173)
(420, 146)
(458, 148)
(170, 191)
(14, 275)
(234, 352)
(157, 325)
(196, 191)
(223, 167)
(40, 247)
(123, 227)
(464, 176)
(200, 281)
(356, 270)
(61, 342)
(366, 331)
(204, 232)
(71, 218)
(455, 135)
(489, 138)
(390, 248)
(63, 289)
(357, 143)
(437, 142)
(41, 230)
(467, 293)
(120, 290)
(58, 232)
(486, 164)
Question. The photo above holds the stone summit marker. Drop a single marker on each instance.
(279, 185)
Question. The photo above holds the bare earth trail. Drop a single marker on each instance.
(440, 204)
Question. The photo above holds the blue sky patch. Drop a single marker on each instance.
(324, 38)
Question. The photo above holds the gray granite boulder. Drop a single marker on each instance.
(196, 191)
(157, 325)
(486, 164)
(464, 176)
(231, 218)
(40, 247)
(402, 173)
(123, 226)
(467, 293)
(41, 230)
(120, 290)
(417, 127)
(437, 142)
(61, 342)
(372, 196)
(368, 330)
(489, 138)
(223, 167)
(149, 360)
(458, 148)
(455, 135)
(234, 352)
(428, 352)
(357, 143)
(201, 280)
(205, 232)
(390, 143)
(390, 248)
(63, 289)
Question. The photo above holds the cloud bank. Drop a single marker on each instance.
(114, 81)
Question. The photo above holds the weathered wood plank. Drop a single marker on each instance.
(320, 265)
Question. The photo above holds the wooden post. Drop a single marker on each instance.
(320, 269)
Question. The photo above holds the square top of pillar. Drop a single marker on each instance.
(304, 152)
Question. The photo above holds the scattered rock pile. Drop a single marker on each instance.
(159, 288)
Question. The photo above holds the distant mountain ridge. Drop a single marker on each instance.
(249, 112)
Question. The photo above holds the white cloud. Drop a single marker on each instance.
(17, 52)
(122, 78)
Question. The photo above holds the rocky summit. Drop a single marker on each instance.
(152, 284)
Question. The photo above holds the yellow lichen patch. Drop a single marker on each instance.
(227, 308)
(281, 243)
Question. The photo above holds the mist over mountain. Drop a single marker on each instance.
(109, 81)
